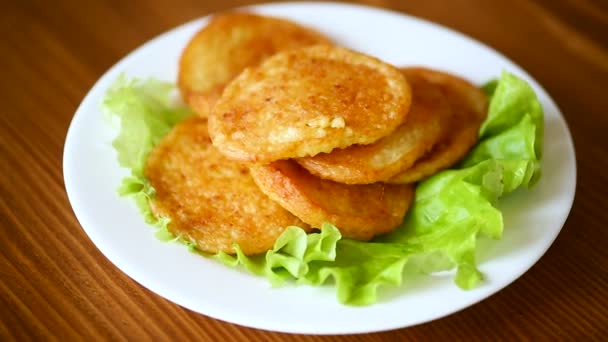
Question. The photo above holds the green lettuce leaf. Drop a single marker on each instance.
(512, 99)
(451, 210)
(291, 256)
(146, 113)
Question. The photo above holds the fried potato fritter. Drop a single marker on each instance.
(359, 211)
(211, 200)
(364, 164)
(306, 101)
(228, 44)
(469, 107)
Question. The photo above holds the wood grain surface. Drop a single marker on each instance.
(56, 285)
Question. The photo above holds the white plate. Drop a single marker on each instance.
(532, 218)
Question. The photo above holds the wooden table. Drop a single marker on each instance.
(56, 284)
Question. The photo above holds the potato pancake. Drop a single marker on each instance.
(211, 200)
(364, 164)
(359, 211)
(228, 44)
(306, 101)
(469, 107)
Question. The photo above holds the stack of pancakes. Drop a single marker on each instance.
(294, 130)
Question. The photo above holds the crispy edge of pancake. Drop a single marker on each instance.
(379, 161)
(211, 201)
(469, 109)
(359, 211)
(228, 44)
(306, 101)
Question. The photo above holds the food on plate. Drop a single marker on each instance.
(306, 101)
(229, 43)
(235, 186)
(359, 211)
(379, 161)
(451, 211)
(211, 201)
(469, 107)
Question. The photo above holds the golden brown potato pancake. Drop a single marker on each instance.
(228, 44)
(359, 211)
(306, 101)
(469, 107)
(364, 164)
(210, 199)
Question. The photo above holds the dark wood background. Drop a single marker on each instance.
(56, 284)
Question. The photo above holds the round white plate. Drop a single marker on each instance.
(532, 218)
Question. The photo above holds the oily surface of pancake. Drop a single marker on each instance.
(460, 130)
(359, 211)
(364, 164)
(306, 101)
(228, 44)
(210, 199)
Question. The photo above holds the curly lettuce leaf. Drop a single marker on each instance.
(146, 112)
(512, 99)
(360, 267)
(291, 256)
